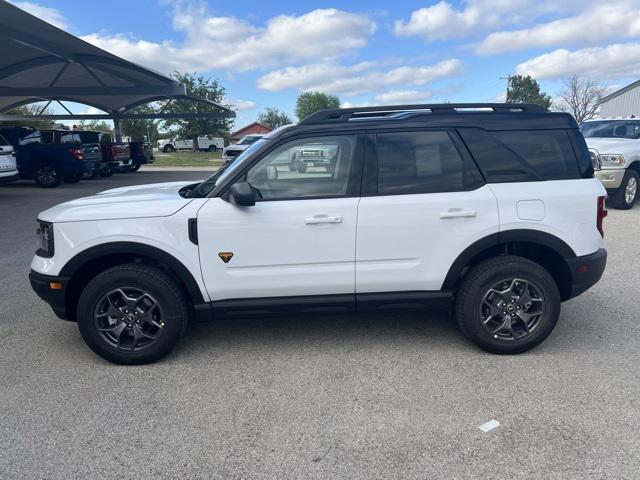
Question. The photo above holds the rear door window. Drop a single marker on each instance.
(422, 162)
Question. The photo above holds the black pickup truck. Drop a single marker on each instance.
(47, 163)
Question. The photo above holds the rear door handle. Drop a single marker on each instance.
(458, 213)
(322, 219)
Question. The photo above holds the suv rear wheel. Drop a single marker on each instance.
(626, 196)
(132, 314)
(47, 175)
(507, 304)
(168, 149)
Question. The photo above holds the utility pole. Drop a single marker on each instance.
(508, 79)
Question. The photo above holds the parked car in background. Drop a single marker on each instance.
(141, 154)
(491, 210)
(313, 156)
(230, 152)
(46, 163)
(211, 144)
(8, 168)
(90, 147)
(615, 147)
(116, 156)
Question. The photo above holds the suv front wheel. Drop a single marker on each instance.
(627, 194)
(507, 304)
(132, 314)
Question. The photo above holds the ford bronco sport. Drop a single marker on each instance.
(489, 208)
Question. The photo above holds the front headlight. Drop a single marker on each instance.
(45, 239)
(611, 161)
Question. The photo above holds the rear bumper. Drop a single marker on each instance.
(41, 284)
(586, 271)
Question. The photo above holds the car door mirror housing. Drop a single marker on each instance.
(242, 195)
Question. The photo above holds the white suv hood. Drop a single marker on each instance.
(153, 200)
(614, 146)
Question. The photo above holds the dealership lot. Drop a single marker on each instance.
(398, 395)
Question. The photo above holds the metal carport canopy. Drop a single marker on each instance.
(39, 62)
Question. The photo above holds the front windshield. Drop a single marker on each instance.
(612, 129)
(248, 140)
(205, 188)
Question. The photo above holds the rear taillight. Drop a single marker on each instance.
(77, 153)
(602, 212)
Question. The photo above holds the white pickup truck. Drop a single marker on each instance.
(211, 144)
(615, 150)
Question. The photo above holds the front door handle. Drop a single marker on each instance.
(458, 213)
(322, 219)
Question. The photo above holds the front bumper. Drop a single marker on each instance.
(44, 285)
(610, 178)
(9, 176)
(586, 271)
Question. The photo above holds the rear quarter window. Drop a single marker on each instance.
(523, 155)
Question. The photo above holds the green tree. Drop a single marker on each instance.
(32, 109)
(96, 125)
(197, 127)
(525, 89)
(139, 128)
(311, 102)
(274, 118)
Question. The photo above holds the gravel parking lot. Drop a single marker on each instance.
(378, 396)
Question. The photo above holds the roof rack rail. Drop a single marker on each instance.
(346, 114)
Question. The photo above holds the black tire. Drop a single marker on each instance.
(302, 167)
(135, 167)
(168, 149)
(72, 177)
(471, 311)
(292, 167)
(106, 172)
(213, 148)
(169, 313)
(90, 175)
(631, 181)
(47, 175)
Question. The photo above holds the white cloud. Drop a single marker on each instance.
(240, 104)
(617, 60)
(355, 80)
(49, 15)
(399, 97)
(232, 44)
(603, 22)
(444, 20)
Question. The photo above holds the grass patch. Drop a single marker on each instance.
(187, 159)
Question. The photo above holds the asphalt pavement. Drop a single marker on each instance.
(385, 396)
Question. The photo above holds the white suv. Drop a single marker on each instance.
(8, 168)
(492, 209)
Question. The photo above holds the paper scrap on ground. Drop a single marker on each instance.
(490, 425)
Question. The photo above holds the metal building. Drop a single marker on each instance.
(622, 103)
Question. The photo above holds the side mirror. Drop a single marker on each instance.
(242, 195)
(272, 172)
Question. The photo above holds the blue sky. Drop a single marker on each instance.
(366, 52)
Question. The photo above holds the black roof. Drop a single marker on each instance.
(488, 116)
